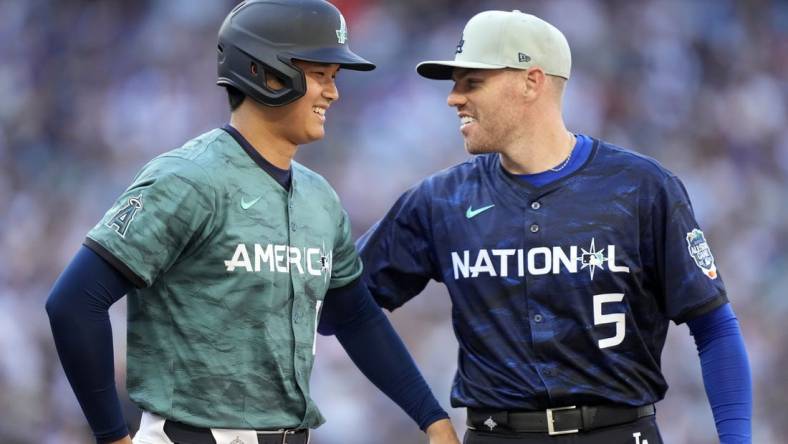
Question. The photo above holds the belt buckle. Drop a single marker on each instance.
(285, 433)
(551, 422)
(293, 432)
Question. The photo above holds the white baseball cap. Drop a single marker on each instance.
(502, 39)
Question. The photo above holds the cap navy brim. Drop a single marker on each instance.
(443, 69)
(342, 56)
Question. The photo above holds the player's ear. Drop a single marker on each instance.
(532, 82)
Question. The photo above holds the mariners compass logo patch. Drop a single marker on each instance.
(701, 253)
(342, 31)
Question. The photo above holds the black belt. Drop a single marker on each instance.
(180, 433)
(555, 421)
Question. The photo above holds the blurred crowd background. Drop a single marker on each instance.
(89, 91)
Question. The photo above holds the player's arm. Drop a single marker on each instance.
(397, 251)
(694, 293)
(78, 309)
(726, 373)
(366, 334)
(350, 312)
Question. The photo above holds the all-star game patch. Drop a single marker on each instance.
(701, 253)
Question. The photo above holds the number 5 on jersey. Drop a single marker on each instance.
(613, 318)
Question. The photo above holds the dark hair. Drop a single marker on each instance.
(235, 97)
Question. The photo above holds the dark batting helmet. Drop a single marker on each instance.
(264, 36)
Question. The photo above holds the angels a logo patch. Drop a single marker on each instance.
(121, 220)
(701, 253)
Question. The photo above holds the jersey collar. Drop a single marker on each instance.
(282, 177)
(519, 187)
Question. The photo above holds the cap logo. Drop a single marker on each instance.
(342, 31)
(459, 45)
(523, 57)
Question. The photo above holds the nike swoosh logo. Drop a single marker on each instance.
(471, 213)
(246, 205)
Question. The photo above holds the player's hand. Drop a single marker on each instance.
(125, 440)
(442, 432)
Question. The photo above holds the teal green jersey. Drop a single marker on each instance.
(231, 270)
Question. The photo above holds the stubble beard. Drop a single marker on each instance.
(482, 145)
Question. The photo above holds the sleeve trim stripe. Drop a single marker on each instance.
(115, 262)
(702, 309)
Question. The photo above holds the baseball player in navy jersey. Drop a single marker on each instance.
(565, 258)
(234, 256)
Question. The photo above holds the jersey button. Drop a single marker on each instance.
(535, 205)
(293, 227)
(537, 318)
(534, 228)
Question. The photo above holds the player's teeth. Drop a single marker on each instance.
(466, 120)
(320, 111)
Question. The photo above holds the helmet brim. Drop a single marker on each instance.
(342, 56)
(443, 69)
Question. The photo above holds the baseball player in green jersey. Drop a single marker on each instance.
(233, 257)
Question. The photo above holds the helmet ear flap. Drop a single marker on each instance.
(270, 80)
(273, 82)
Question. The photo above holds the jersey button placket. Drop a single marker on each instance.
(534, 228)
(541, 326)
(297, 286)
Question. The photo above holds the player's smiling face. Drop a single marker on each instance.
(480, 96)
(303, 121)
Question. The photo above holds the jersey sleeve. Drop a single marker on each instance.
(346, 264)
(397, 253)
(152, 222)
(691, 283)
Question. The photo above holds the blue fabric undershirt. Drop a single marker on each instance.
(577, 159)
(726, 373)
(78, 308)
(78, 314)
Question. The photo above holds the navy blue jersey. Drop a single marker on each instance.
(562, 294)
